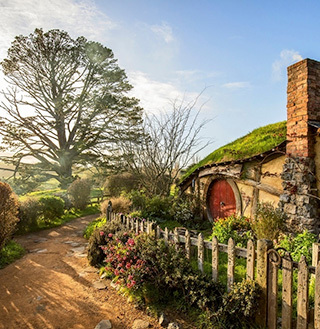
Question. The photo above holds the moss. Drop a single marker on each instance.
(258, 141)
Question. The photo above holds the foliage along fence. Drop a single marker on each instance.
(263, 264)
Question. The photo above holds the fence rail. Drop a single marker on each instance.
(263, 264)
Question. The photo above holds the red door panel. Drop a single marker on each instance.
(222, 202)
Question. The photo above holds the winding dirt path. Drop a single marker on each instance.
(52, 286)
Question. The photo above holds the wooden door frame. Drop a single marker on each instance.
(234, 188)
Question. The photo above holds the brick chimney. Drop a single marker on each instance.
(303, 107)
(299, 199)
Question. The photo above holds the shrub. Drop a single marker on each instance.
(122, 261)
(182, 211)
(51, 207)
(99, 238)
(268, 222)
(238, 307)
(186, 209)
(67, 202)
(236, 227)
(138, 199)
(120, 204)
(169, 269)
(10, 252)
(79, 192)
(29, 213)
(298, 245)
(8, 213)
(120, 183)
(158, 207)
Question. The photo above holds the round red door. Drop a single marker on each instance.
(222, 202)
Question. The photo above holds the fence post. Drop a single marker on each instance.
(200, 252)
(109, 210)
(166, 236)
(263, 246)
(151, 231)
(317, 298)
(251, 256)
(188, 244)
(137, 225)
(287, 282)
(158, 232)
(274, 261)
(303, 285)
(142, 226)
(315, 254)
(215, 259)
(176, 238)
(231, 263)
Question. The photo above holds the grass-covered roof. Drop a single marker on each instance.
(256, 142)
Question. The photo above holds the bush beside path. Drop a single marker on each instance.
(53, 286)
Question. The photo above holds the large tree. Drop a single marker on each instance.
(66, 103)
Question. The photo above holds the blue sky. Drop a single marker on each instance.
(237, 50)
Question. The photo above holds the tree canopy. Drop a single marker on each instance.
(67, 103)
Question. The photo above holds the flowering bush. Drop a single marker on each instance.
(146, 267)
(122, 262)
(236, 227)
(99, 238)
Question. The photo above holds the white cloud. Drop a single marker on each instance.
(237, 85)
(287, 57)
(164, 31)
(156, 96)
(78, 17)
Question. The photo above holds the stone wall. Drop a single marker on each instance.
(299, 200)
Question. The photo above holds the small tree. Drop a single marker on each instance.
(8, 213)
(79, 192)
(170, 141)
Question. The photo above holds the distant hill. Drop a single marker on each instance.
(5, 173)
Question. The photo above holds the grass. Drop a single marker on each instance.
(258, 141)
(94, 225)
(10, 252)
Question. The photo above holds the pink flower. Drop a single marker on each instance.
(101, 233)
(116, 272)
(130, 277)
(131, 242)
(109, 235)
(128, 265)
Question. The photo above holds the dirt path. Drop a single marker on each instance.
(52, 286)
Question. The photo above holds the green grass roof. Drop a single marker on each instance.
(258, 141)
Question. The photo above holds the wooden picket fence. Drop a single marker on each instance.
(263, 264)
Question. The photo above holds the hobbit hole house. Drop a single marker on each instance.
(278, 163)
